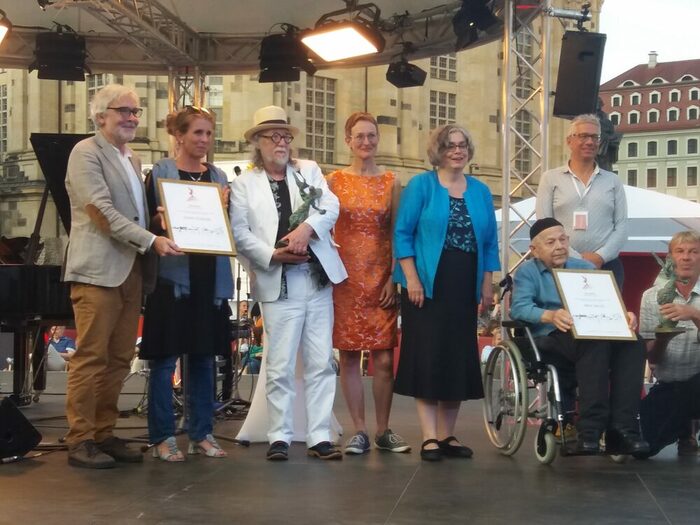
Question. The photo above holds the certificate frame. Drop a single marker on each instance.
(595, 303)
(195, 217)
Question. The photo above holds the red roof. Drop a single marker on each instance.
(642, 73)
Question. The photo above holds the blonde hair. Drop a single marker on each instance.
(688, 236)
(440, 137)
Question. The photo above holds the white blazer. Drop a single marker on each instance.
(254, 222)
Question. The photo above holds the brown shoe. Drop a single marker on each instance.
(118, 449)
(86, 455)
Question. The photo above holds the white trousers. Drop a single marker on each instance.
(303, 322)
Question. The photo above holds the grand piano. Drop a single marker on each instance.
(32, 296)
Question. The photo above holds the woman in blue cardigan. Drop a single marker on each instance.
(188, 312)
(446, 243)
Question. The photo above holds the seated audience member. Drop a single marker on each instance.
(609, 373)
(668, 411)
(62, 344)
(59, 349)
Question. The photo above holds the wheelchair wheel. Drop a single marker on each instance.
(505, 398)
(546, 447)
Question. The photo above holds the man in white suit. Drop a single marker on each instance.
(110, 262)
(290, 272)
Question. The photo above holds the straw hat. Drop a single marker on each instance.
(269, 117)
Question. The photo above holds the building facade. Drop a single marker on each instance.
(657, 107)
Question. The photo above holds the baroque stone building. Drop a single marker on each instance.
(657, 107)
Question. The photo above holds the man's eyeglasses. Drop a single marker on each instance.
(125, 111)
(583, 137)
(451, 146)
(277, 138)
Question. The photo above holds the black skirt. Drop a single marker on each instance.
(188, 325)
(439, 352)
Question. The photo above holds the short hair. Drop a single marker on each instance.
(687, 236)
(439, 138)
(179, 121)
(104, 98)
(357, 117)
(586, 118)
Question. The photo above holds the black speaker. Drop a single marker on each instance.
(580, 64)
(17, 435)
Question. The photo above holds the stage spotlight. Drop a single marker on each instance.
(346, 38)
(282, 57)
(60, 56)
(474, 15)
(5, 25)
(402, 74)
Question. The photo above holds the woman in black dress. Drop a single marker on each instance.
(188, 312)
(446, 243)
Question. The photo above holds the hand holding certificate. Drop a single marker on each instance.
(195, 217)
(594, 302)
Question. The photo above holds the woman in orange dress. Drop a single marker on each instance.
(365, 309)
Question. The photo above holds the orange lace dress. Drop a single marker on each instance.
(363, 231)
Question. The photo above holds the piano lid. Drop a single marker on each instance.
(52, 151)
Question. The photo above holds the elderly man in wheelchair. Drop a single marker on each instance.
(609, 374)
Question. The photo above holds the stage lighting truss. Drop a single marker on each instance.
(5, 25)
(346, 33)
(282, 57)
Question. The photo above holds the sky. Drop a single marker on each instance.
(635, 27)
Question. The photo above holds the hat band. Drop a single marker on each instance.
(278, 121)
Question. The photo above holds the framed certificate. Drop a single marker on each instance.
(195, 217)
(593, 300)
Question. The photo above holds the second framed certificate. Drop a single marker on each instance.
(593, 300)
(195, 216)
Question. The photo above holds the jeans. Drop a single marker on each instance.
(199, 385)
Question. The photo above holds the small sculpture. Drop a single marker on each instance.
(667, 294)
(309, 196)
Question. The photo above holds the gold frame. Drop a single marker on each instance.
(227, 220)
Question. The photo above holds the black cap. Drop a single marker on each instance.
(541, 225)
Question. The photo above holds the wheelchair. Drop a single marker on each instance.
(521, 390)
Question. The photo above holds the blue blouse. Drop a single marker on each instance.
(421, 228)
(460, 230)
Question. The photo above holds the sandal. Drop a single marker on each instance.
(172, 454)
(212, 451)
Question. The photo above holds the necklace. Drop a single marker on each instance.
(191, 174)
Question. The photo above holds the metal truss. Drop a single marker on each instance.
(524, 119)
(148, 25)
(147, 38)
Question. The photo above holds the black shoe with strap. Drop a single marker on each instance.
(454, 451)
(278, 451)
(430, 454)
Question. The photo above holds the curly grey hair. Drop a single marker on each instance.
(105, 97)
(440, 137)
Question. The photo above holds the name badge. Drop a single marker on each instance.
(580, 221)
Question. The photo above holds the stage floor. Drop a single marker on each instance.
(378, 487)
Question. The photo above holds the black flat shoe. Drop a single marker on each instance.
(430, 454)
(454, 451)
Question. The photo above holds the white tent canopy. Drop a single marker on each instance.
(653, 219)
